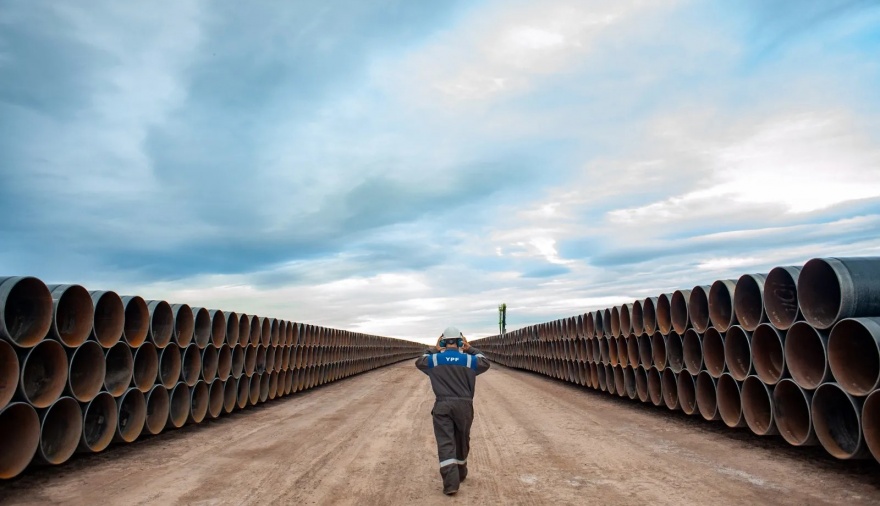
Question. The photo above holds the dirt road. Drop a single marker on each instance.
(368, 440)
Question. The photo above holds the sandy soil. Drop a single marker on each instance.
(368, 440)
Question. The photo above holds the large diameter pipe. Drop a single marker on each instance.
(646, 351)
(748, 301)
(216, 397)
(637, 318)
(738, 352)
(792, 411)
(191, 364)
(169, 366)
(641, 383)
(871, 423)
(224, 362)
(131, 415)
(237, 361)
(664, 313)
(218, 327)
(837, 418)
(831, 289)
(698, 308)
(109, 321)
(780, 297)
(854, 355)
(137, 321)
(264, 386)
(19, 438)
(161, 323)
(180, 405)
(86, 370)
(649, 315)
(615, 321)
(232, 326)
(61, 426)
(120, 367)
(768, 353)
(244, 329)
(658, 348)
(199, 400)
(184, 324)
(721, 311)
(210, 363)
(9, 373)
(729, 401)
(98, 423)
(757, 406)
(25, 310)
(256, 331)
(202, 327)
(146, 367)
(655, 386)
(687, 393)
(230, 395)
(601, 377)
(806, 355)
(629, 382)
(242, 385)
(669, 380)
(158, 409)
(674, 352)
(273, 384)
(707, 396)
(254, 389)
(692, 351)
(72, 314)
(43, 373)
(265, 331)
(681, 320)
(625, 312)
(632, 350)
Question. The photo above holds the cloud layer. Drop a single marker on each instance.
(395, 167)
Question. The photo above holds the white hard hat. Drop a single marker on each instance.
(451, 333)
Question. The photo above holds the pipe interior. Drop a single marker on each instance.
(184, 324)
(230, 395)
(158, 409)
(120, 365)
(202, 327)
(674, 352)
(86, 371)
(44, 374)
(757, 405)
(637, 318)
(74, 316)
(836, 421)
(781, 297)
(738, 353)
(210, 362)
(615, 321)
(256, 330)
(720, 306)
(625, 322)
(645, 350)
(729, 402)
(871, 424)
(642, 384)
(768, 354)
(109, 319)
(9, 371)
(19, 438)
(655, 388)
(237, 362)
(169, 366)
(28, 311)
(132, 415)
(692, 351)
(706, 397)
(679, 310)
(61, 429)
(243, 386)
(748, 301)
(224, 362)
(180, 404)
(232, 326)
(687, 393)
(162, 324)
(819, 293)
(698, 308)
(216, 398)
(99, 422)
(254, 389)
(606, 323)
(649, 316)
(218, 329)
(854, 356)
(658, 346)
(806, 355)
(244, 330)
(266, 331)
(670, 388)
(137, 322)
(664, 314)
(146, 367)
(191, 364)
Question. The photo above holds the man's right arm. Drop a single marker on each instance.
(422, 362)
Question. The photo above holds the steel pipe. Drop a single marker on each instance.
(232, 326)
(216, 398)
(210, 363)
(629, 382)
(146, 367)
(242, 386)
(649, 315)
(658, 349)
(180, 405)
(707, 398)
(664, 313)
(729, 401)
(655, 386)
(698, 308)
(837, 418)
(721, 312)
(61, 426)
(202, 327)
(161, 323)
(831, 289)
(669, 381)
(131, 415)
(692, 352)
(158, 409)
(601, 376)
(218, 327)
(738, 352)
(199, 398)
(637, 318)
(806, 355)
(273, 384)
(9, 373)
(854, 355)
(613, 358)
(224, 362)
(624, 312)
(794, 419)
(768, 353)
(137, 321)
(109, 320)
(622, 351)
(230, 395)
(184, 324)
(780, 297)
(687, 393)
(191, 364)
(98, 423)
(871, 423)
(244, 329)
(678, 308)
(674, 352)
(642, 383)
(254, 389)
(19, 438)
(43, 373)
(86, 370)
(270, 358)
(265, 331)
(120, 366)
(594, 376)
(256, 331)
(169, 366)
(237, 362)
(72, 314)
(25, 310)
(748, 301)
(757, 406)
(646, 351)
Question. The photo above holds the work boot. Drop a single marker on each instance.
(462, 473)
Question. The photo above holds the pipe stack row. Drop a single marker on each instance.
(793, 352)
(80, 370)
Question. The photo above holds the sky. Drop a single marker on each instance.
(394, 167)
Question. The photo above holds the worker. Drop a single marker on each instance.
(453, 368)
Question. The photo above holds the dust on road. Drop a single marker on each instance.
(368, 440)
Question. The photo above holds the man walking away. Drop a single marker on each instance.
(453, 369)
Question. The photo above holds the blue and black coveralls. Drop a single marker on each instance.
(453, 376)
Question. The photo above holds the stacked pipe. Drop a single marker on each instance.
(80, 370)
(793, 352)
